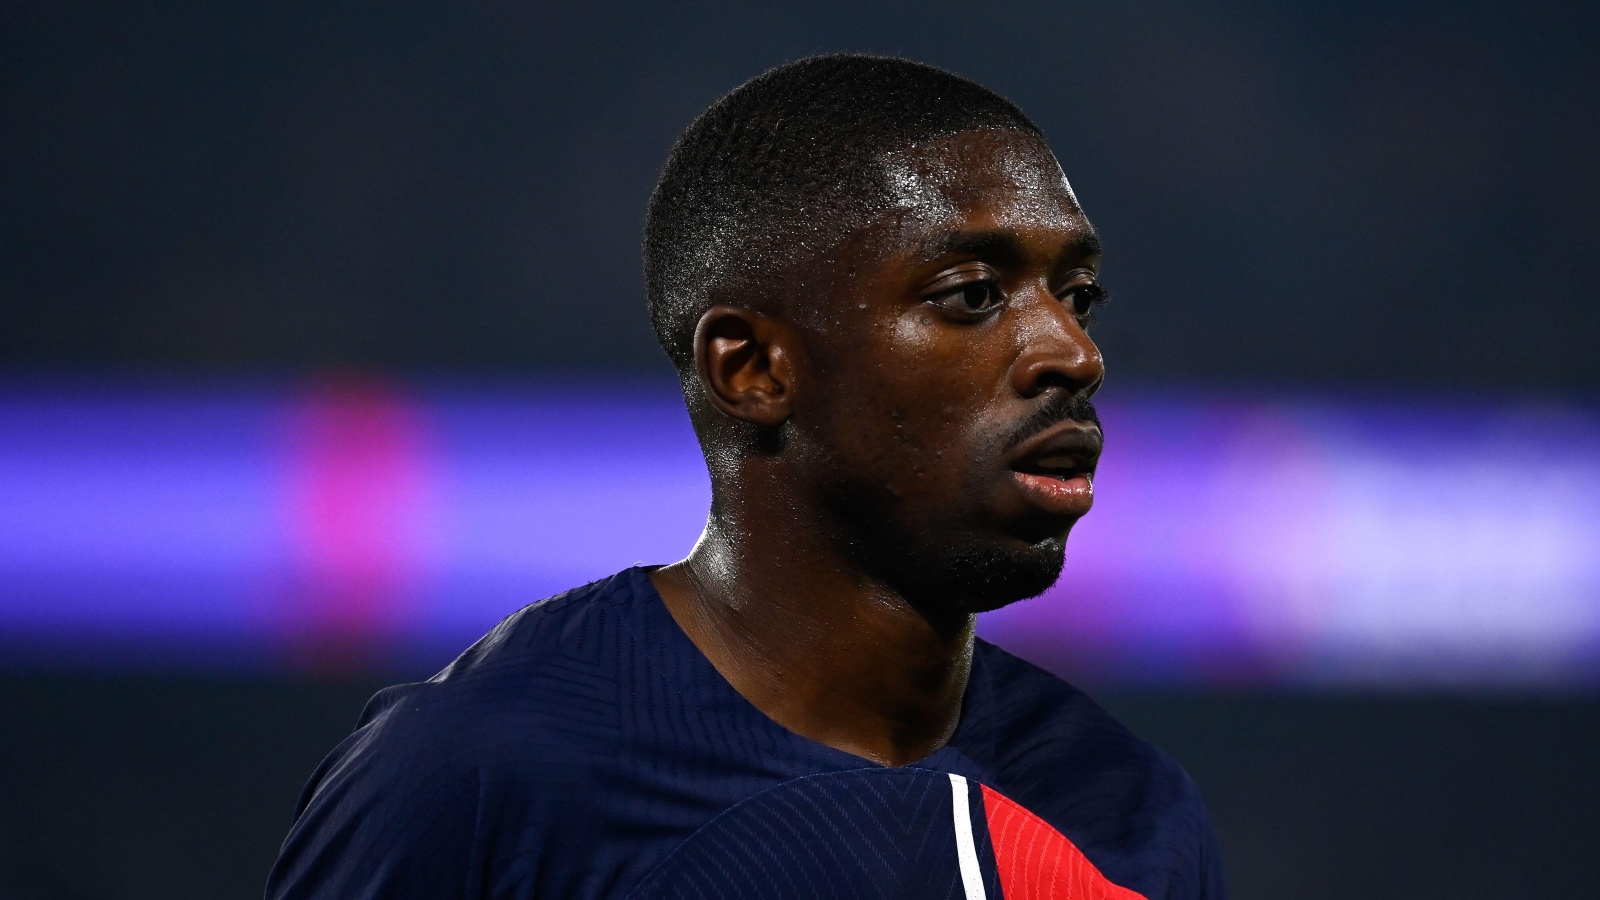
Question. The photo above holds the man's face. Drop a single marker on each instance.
(944, 418)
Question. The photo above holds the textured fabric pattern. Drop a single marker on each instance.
(1037, 862)
(883, 833)
(585, 748)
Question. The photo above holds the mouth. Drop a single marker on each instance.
(1058, 467)
(1055, 471)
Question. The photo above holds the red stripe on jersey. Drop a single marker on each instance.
(1037, 862)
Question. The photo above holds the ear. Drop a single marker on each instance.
(746, 363)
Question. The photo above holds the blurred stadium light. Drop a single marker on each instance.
(357, 524)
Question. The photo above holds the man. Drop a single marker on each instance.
(875, 283)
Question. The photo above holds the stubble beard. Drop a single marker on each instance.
(940, 566)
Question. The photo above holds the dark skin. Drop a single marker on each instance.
(923, 469)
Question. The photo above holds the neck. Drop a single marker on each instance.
(823, 650)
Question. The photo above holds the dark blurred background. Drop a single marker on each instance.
(1379, 193)
(1341, 201)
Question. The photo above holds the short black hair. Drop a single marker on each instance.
(784, 166)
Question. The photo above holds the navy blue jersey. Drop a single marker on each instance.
(585, 748)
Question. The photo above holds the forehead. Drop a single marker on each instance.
(1006, 176)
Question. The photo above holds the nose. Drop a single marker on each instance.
(1056, 351)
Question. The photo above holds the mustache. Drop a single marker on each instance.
(1060, 407)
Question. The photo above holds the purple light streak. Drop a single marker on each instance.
(351, 523)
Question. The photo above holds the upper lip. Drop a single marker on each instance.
(1065, 450)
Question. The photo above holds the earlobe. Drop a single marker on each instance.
(745, 364)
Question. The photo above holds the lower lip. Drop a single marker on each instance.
(1063, 497)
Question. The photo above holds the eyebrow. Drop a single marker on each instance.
(1001, 244)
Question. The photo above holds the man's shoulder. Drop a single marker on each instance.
(1054, 741)
(489, 755)
(1126, 804)
(542, 686)
(1037, 717)
(554, 662)
(581, 626)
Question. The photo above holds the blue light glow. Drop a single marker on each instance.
(1233, 540)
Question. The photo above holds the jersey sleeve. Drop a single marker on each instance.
(393, 813)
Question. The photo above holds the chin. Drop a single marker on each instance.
(956, 566)
(980, 577)
(986, 579)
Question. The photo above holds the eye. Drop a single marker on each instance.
(1084, 298)
(973, 298)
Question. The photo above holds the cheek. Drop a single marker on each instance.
(961, 368)
(919, 335)
(909, 381)
(910, 411)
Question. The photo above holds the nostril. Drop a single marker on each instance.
(1055, 379)
(1043, 373)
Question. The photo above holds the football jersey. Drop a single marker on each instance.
(585, 748)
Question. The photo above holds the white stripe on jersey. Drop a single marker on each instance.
(966, 850)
